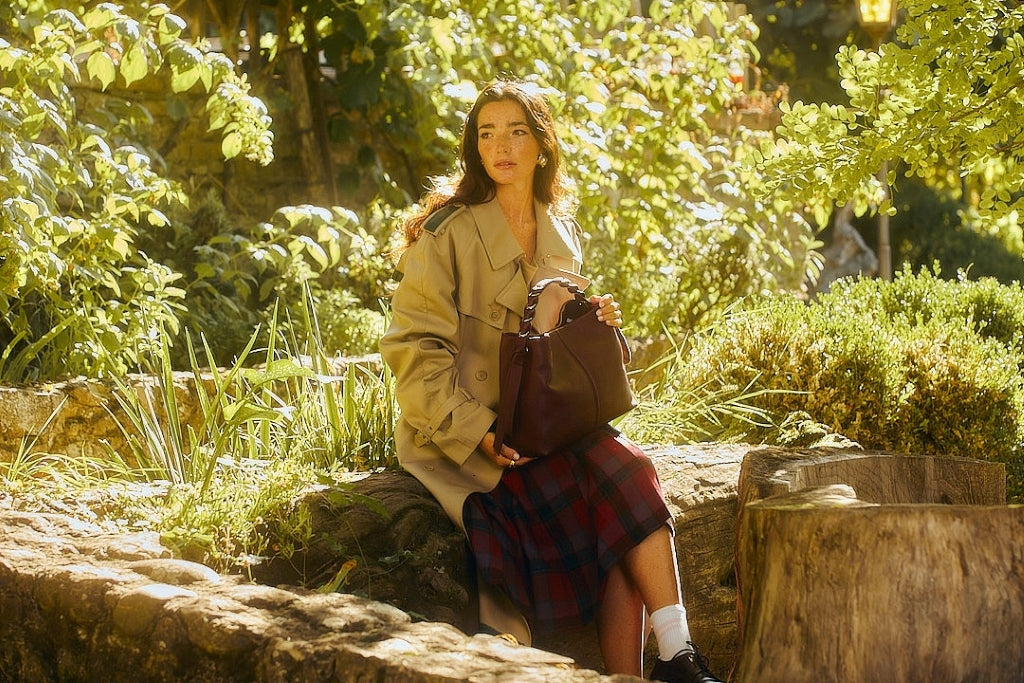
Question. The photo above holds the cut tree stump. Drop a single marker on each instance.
(858, 566)
(876, 477)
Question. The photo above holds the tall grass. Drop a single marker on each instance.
(282, 419)
(285, 401)
(673, 411)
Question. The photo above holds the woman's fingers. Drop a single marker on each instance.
(508, 457)
(608, 310)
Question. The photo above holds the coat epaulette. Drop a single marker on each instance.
(435, 219)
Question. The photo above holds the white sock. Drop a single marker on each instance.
(671, 631)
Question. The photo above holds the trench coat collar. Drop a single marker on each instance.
(501, 246)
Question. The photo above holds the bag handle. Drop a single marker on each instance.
(531, 308)
(514, 372)
(534, 296)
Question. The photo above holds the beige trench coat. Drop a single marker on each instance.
(463, 284)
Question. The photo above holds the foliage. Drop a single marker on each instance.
(943, 100)
(76, 294)
(932, 228)
(919, 365)
(346, 327)
(236, 274)
(797, 42)
(669, 409)
(265, 435)
(669, 215)
(278, 409)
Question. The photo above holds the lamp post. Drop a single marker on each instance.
(877, 17)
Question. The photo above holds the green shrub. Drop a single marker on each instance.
(234, 274)
(346, 328)
(79, 185)
(919, 365)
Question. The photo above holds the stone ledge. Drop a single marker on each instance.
(79, 604)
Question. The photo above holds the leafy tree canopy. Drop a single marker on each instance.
(671, 217)
(943, 100)
(646, 104)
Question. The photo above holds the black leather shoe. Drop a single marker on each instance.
(685, 667)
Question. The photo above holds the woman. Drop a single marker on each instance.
(560, 540)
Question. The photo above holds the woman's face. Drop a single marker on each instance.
(507, 146)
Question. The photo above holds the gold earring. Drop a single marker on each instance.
(542, 160)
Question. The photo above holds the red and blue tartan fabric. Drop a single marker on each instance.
(552, 529)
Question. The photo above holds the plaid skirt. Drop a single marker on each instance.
(551, 531)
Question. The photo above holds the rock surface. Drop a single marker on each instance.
(78, 603)
(148, 617)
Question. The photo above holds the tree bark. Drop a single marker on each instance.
(309, 147)
(837, 589)
(875, 477)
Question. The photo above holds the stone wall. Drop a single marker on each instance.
(78, 417)
(77, 603)
(74, 597)
(82, 417)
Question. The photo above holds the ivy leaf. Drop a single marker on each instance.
(183, 80)
(170, 28)
(157, 218)
(100, 16)
(134, 66)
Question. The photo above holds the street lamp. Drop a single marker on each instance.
(877, 17)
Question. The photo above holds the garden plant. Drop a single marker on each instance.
(705, 228)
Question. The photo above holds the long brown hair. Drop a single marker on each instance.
(472, 185)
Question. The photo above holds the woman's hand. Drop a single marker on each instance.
(608, 309)
(508, 456)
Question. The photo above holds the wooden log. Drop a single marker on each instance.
(876, 477)
(837, 589)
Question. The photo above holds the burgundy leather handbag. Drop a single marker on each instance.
(559, 386)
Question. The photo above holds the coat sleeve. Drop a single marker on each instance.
(420, 347)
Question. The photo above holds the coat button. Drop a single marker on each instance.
(495, 315)
(481, 375)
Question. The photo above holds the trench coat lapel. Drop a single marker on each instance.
(554, 244)
(502, 249)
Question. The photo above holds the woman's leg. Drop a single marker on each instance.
(621, 628)
(654, 571)
(651, 567)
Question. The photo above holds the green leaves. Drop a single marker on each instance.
(101, 67)
(940, 100)
(632, 97)
(187, 66)
(78, 296)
